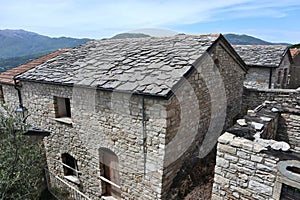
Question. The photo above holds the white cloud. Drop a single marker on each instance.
(70, 17)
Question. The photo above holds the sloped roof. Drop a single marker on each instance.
(261, 55)
(7, 76)
(145, 65)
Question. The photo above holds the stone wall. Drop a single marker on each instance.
(205, 104)
(259, 77)
(257, 167)
(246, 169)
(295, 76)
(289, 129)
(103, 120)
(282, 74)
(10, 95)
(254, 97)
(242, 171)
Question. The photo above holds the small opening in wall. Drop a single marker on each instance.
(279, 77)
(289, 192)
(217, 62)
(62, 107)
(70, 166)
(293, 169)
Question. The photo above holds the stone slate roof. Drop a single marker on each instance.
(261, 55)
(145, 65)
(7, 76)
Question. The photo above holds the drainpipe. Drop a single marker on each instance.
(144, 135)
(270, 78)
(17, 87)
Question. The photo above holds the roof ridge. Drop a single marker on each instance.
(160, 37)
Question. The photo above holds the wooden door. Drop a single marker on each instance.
(109, 166)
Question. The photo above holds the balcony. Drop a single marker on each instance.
(61, 189)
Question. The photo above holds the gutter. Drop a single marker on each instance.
(144, 135)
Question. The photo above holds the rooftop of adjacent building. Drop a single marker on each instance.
(261, 55)
(7, 77)
(295, 52)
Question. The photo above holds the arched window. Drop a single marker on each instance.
(109, 168)
(70, 168)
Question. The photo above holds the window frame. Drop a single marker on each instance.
(62, 109)
(67, 160)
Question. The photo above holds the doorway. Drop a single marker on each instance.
(109, 173)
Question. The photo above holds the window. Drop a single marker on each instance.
(279, 77)
(284, 80)
(70, 168)
(62, 107)
(109, 168)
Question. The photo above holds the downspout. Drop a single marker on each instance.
(144, 135)
(270, 78)
(17, 87)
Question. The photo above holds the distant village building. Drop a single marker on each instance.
(295, 71)
(269, 65)
(125, 114)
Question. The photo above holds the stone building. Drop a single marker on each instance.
(269, 65)
(295, 71)
(125, 114)
(259, 157)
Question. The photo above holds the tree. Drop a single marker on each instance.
(21, 159)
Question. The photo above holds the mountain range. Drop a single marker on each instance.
(19, 46)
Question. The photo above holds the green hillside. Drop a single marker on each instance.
(18, 46)
(297, 46)
(248, 40)
(16, 43)
(9, 63)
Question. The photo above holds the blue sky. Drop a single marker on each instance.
(271, 20)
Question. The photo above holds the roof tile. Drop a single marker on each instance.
(144, 65)
(7, 77)
(261, 55)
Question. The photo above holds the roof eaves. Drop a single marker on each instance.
(165, 97)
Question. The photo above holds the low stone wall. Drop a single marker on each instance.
(254, 168)
(289, 130)
(254, 97)
(242, 171)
